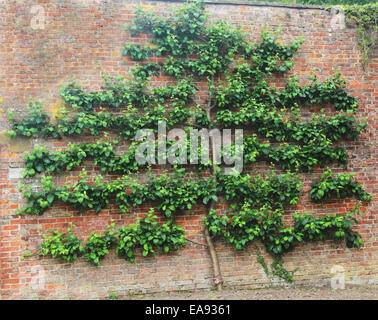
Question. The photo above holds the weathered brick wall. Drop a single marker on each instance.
(82, 39)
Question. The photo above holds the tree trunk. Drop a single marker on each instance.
(218, 281)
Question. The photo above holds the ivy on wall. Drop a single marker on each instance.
(362, 13)
(365, 17)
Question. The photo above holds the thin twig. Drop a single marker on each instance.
(201, 244)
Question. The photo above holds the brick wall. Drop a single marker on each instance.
(82, 39)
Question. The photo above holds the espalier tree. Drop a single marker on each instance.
(235, 74)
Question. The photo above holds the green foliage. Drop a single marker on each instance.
(335, 227)
(116, 92)
(104, 156)
(83, 195)
(237, 73)
(366, 18)
(62, 245)
(238, 93)
(145, 71)
(341, 186)
(39, 202)
(35, 122)
(74, 95)
(125, 124)
(274, 190)
(183, 35)
(363, 13)
(272, 124)
(278, 270)
(272, 57)
(97, 246)
(307, 156)
(246, 225)
(137, 52)
(170, 192)
(293, 157)
(103, 153)
(113, 295)
(147, 234)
